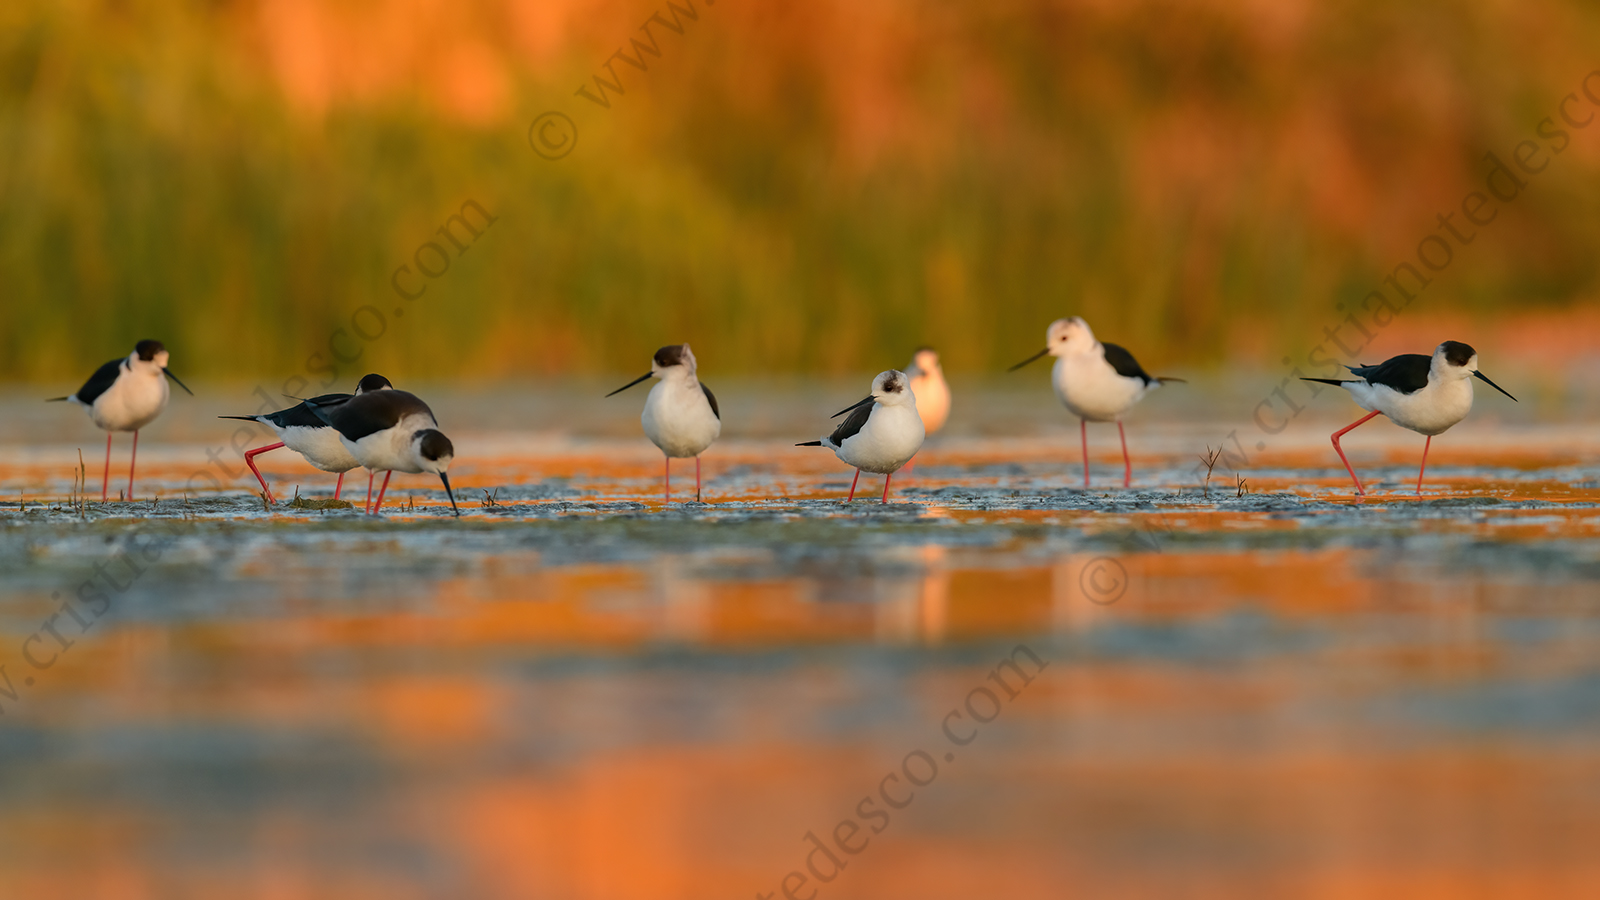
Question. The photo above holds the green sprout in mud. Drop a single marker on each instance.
(1242, 487)
(490, 501)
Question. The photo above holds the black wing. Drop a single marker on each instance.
(366, 414)
(852, 424)
(711, 399)
(100, 382)
(1123, 361)
(1406, 373)
(301, 416)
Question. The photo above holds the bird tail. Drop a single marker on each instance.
(810, 444)
(1330, 380)
(1165, 379)
(241, 418)
(56, 399)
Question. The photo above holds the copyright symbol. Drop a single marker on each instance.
(1103, 581)
(553, 135)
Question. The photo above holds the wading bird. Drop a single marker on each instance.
(1426, 394)
(680, 414)
(1097, 382)
(932, 393)
(304, 432)
(391, 431)
(881, 433)
(126, 395)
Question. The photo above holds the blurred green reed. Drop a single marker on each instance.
(790, 189)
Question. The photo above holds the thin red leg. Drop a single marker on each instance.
(853, 487)
(1339, 450)
(366, 505)
(1083, 426)
(338, 486)
(886, 486)
(248, 454)
(381, 490)
(666, 478)
(132, 460)
(1424, 468)
(1127, 464)
(105, 480)
(697, 479)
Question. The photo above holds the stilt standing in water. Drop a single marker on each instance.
(680, 414)
(126, 395)
(1096, 382)
(881, 433)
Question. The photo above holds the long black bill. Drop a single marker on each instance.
(449, 493)
(629, 384)
(1029, 360)
(185, 387)
(1497, 387)
(854, 406)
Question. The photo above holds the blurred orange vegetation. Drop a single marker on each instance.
(813, 187)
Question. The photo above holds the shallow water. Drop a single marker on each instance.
(578, 691)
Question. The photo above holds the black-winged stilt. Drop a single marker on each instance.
(930, 389)
(881, 433)
(391, 431)
(126, 395)
(680, 415)
(1426, 394)
(1095, 381)
(302, 431)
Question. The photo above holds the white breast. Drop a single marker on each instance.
(892, 435)
(132, 402)
(322, 447)
(678, 418)
(1090, 389)
(391, 450)
(1429, 411)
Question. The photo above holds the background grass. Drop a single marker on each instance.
(817, 187)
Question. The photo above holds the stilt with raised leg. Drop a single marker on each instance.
(249, 460)
(1340, 450)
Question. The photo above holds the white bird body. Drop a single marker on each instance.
(322, 447)
(930, 389)
(891, 436)
(678, 417)
(395, 449)
(1445, 400)
(134, 400)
